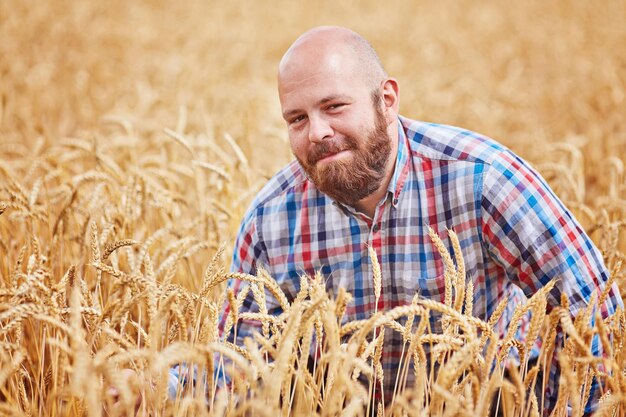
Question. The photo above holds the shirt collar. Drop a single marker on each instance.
(401, 168)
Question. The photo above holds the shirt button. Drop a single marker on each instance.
(376, 228)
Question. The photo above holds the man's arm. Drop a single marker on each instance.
(249, 254)
(530, 233)
(528, 230)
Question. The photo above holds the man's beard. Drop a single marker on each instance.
(349, 181)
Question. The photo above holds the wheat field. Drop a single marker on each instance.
(134, 134)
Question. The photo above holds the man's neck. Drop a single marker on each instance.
(368, 205)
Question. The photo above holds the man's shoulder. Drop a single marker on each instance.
(289, 181)
(444, 142)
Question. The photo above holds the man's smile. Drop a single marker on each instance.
(332, 156)
(330, 150)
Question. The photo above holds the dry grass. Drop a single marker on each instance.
(132, 136)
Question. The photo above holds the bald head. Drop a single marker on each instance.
(333, 46)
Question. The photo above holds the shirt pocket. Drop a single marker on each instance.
(431, 288)
(428, 288)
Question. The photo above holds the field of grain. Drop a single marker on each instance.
(134, 134)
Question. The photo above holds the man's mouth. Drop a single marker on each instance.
(331, 156)
(329, 151)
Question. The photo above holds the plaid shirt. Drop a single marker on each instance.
(515, 235)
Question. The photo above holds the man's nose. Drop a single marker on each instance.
(319, 129)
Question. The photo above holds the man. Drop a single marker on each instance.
(367, 177)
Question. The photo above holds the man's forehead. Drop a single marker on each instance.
(317, 75)
(308, 63)
(316, 86)
(314, 74)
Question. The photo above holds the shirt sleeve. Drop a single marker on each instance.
(529, 232)
(249, 254)
(249, 251)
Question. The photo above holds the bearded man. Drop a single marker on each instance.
(366, 177)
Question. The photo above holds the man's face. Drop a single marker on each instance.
(337, 131)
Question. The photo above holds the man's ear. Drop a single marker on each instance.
(391, 98)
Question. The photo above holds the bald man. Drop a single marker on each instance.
(364, 176)
(331, 86)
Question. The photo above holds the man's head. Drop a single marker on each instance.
(341, 111)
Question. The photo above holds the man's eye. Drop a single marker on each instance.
(297, 119)
(335, 106)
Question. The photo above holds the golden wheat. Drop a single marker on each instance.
(130, 145)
